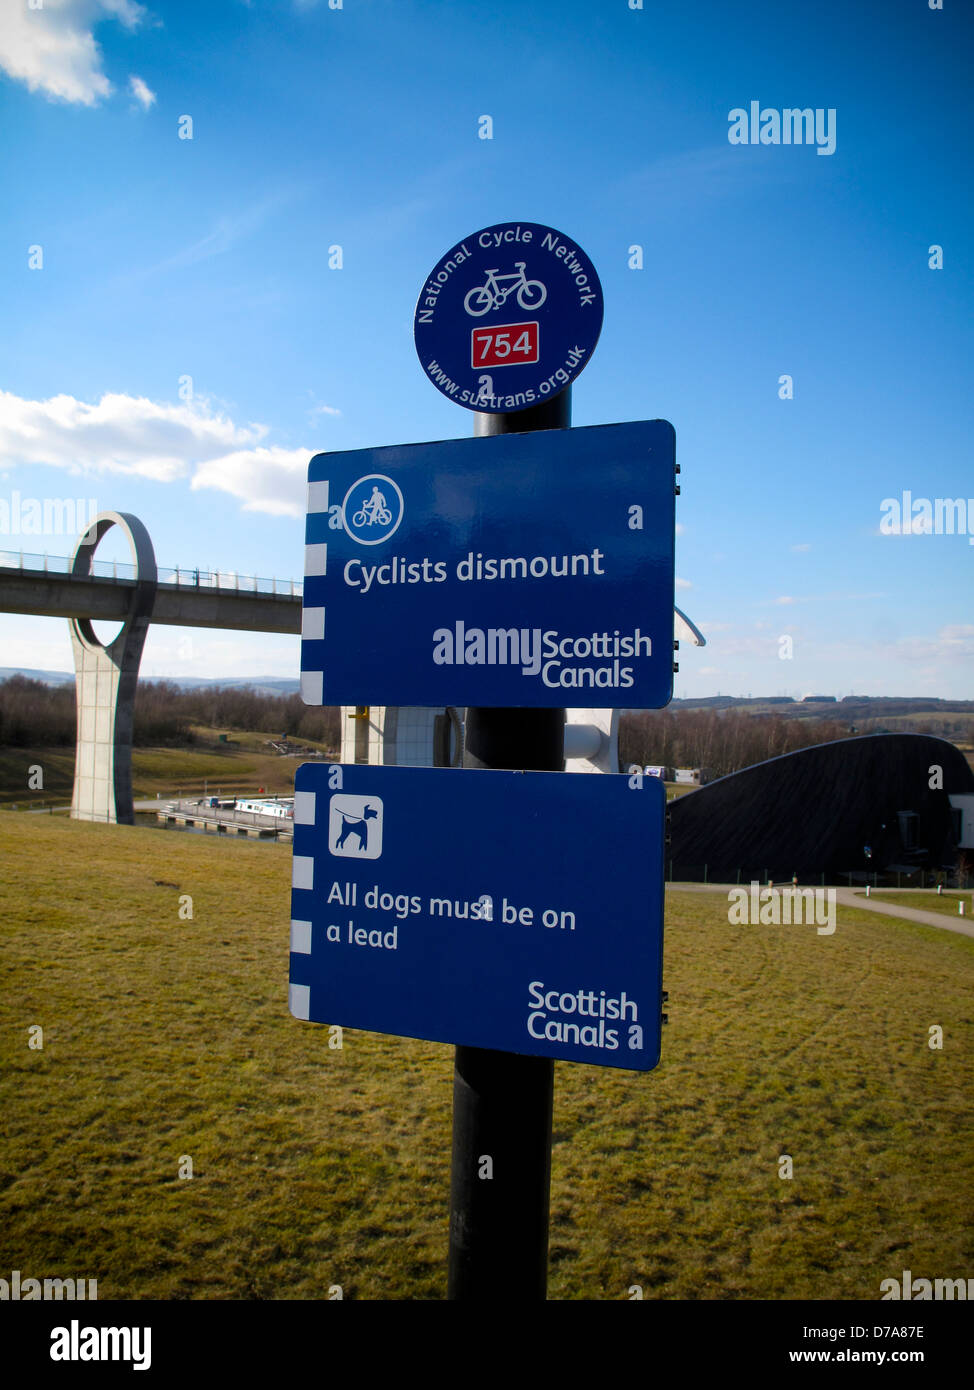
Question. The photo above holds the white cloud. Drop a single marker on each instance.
(268, 480)
(181, 653)
(683, 584)
(827, 598)
(44, 644)
(53, 49)
(153, 439)
(141, 92)
(800, 549)
(952, 643)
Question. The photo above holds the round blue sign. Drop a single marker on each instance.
(508, 318)
(372, 509)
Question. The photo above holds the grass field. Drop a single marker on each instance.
(242, 765)
(165, 1038)
(945, 902)
(674, 790)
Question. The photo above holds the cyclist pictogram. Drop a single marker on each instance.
(495, 292)
(372, 509)
(374, 512)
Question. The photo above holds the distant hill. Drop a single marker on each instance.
(731, 701)
(850, 707)
(266, 685)
(48, 677)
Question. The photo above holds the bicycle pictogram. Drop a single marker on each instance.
(494, 293)
(373, 512)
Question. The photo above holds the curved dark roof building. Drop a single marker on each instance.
(858, 804)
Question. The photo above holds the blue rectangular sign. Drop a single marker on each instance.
(519, 911)
(515, 570)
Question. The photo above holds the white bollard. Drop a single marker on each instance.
(940, 890)
(867, 890)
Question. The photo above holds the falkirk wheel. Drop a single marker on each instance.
(106, 676)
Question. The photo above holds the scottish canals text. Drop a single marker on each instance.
(586, 1017)
(545, 654)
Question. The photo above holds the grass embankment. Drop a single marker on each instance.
(241, 765)
(945, 902)
(674, 790)
(312, 1167)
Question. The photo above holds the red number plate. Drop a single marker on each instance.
(504, 345)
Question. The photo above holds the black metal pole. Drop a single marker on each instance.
(502, 1102)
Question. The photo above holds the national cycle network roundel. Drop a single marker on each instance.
(508, 318)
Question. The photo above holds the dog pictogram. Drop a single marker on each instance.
(356, 825)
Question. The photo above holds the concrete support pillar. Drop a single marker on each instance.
(402, 736)
(106, 678)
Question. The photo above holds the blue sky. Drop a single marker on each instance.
(167, 258)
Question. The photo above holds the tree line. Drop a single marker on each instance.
(724, 742)
(33, 714)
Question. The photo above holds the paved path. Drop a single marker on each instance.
(849, 897)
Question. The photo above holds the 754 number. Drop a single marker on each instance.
(504, 345)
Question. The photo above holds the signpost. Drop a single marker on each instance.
(508, 318)
(526, 570)
(541, 939)
(517, 914)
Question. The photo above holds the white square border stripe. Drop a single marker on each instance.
(299, 1000)
(312, 685)
(302, 871)
(315, 560)
(300, 937)
(304, 808)
(313, 624)
(318, 496)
